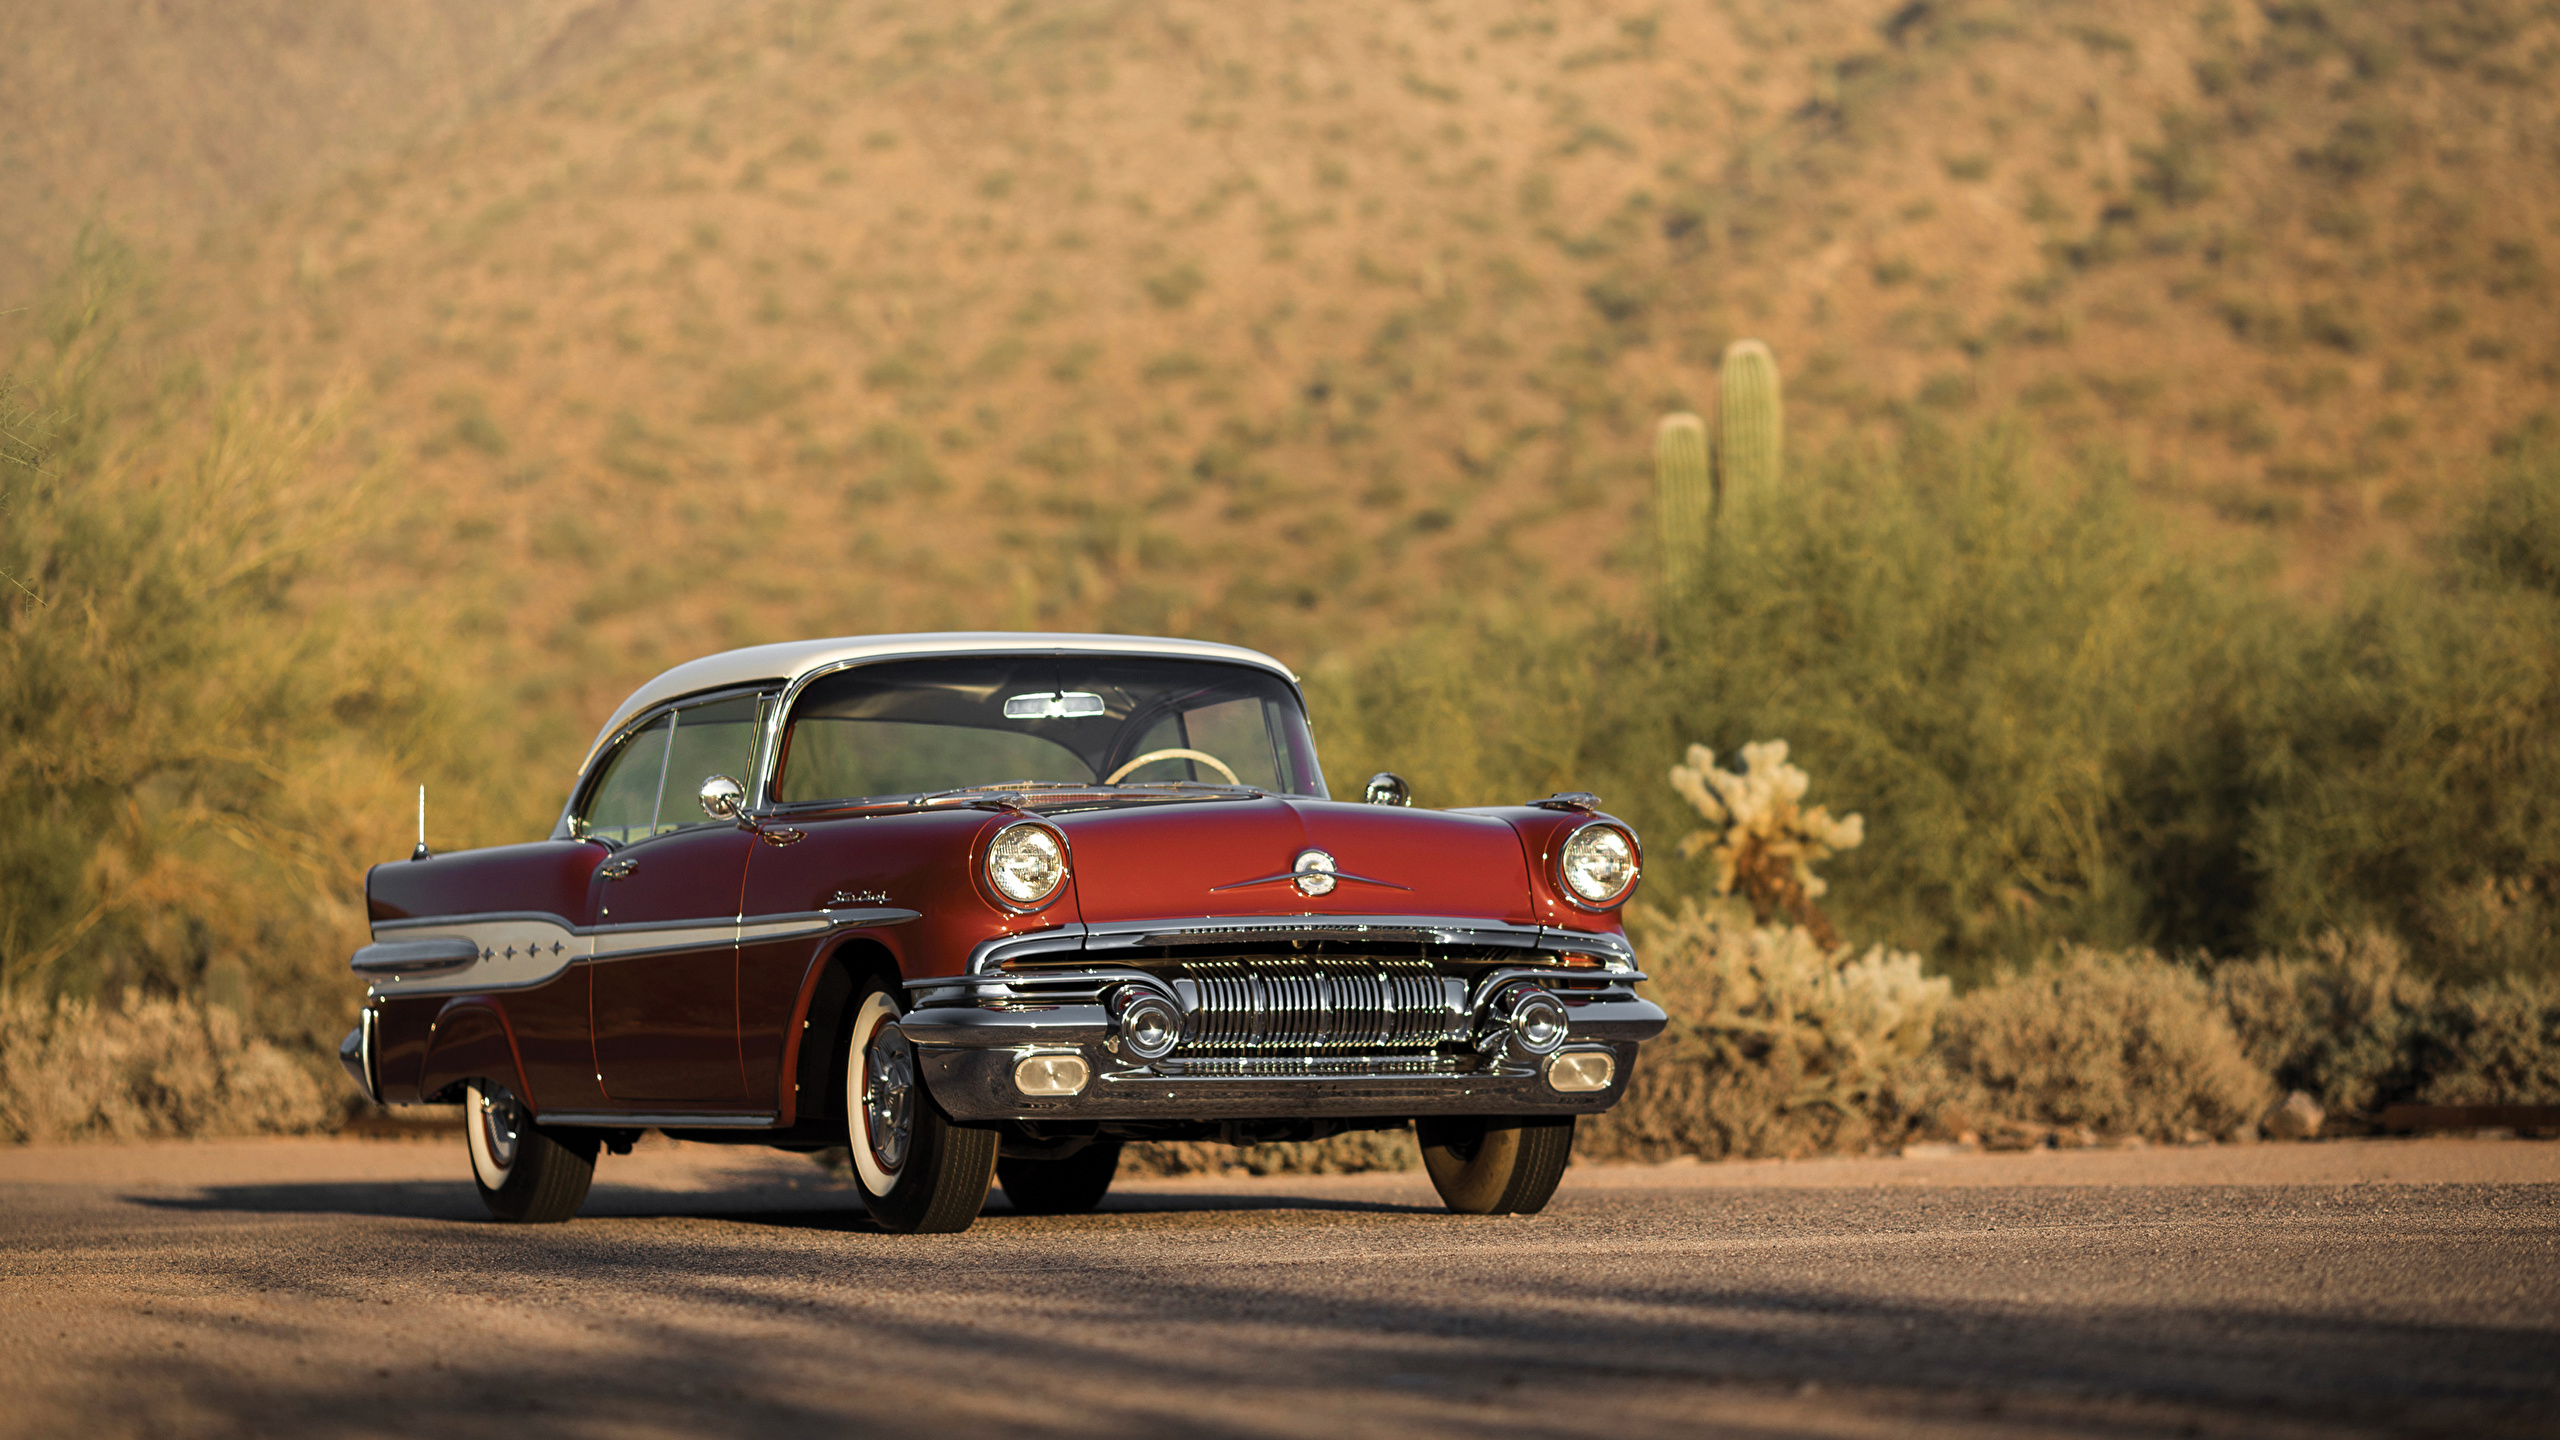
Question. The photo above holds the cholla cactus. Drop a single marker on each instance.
(1763, 840)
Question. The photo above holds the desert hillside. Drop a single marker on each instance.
(1287, 322)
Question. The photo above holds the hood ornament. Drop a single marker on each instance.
(1314, 873)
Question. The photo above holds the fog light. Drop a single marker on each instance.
(1523, 1021)
(1537, 1023)
(1582, 1070)
(1146, 1024)
(1051, 1075)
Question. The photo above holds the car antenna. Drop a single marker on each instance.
(421, 852)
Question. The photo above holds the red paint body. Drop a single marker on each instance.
(680, 975)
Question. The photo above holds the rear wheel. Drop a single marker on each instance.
(1495, 1165)
(526, 1174)
(919, 1171)
(1067, 1186)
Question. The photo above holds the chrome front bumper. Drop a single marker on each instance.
(1285, 1034)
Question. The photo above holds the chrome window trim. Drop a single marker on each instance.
(769, 751)
(761, 690)
(793, 660)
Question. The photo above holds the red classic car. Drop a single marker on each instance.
(986, 907)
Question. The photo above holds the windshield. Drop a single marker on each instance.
(916, 727)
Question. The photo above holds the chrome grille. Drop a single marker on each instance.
(1299, 1015)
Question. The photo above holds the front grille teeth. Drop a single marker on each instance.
(1263, 1017)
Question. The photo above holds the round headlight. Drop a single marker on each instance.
(1599, 864)
(1026, 864)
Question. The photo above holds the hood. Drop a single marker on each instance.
(1194, 861)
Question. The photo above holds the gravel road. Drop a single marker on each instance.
(352, 1288)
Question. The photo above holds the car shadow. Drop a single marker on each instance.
(776, 1207)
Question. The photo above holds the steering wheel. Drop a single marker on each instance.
(1212, 761)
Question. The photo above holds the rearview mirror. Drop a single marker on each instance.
(722, 798)
(1388, 788)
(1055, 705)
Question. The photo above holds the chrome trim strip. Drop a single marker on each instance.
(1291, 877)
(473, 917)
(514, 950)
(410, 957)
(657, 1120)
(1100, 940)
(991, 953)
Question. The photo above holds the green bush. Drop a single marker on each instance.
(2002, 666)
(2122, 1044)
(2061, 730)
(195, 759)
(2404, 760)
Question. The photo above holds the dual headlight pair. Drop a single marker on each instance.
(1027, 864)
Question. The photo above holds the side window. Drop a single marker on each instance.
(650, 785)
(714, 739)
(624, 805)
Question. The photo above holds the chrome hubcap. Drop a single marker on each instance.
(888, 1094)
(501, 1125)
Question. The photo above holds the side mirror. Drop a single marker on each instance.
(1388, 788)
(722, 798)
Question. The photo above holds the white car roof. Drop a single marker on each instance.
(792, 659)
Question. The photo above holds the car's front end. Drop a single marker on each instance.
(1231, 961)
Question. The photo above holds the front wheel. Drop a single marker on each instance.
(920, 1173)
(1495, 1165)
(526, 1174)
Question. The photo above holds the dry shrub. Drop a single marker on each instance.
(2123, 1044)
(2344, 1022)
(1776, 1046)
(2497, 1044)
(78, 1070)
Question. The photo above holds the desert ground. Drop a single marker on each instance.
(354, 1287)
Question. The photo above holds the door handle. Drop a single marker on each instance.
(785, 836)
(619, 869)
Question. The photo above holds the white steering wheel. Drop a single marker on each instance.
(1212, 761)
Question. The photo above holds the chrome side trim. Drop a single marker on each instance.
(657, 1120)
(448, 922)
(410, 957)
(515, 950)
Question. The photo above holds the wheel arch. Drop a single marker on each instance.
(816, 1061)
(471, 1040)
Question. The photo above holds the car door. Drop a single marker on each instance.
(664, 907)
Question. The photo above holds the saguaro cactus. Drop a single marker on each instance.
(1749, 426)
(1684, 494)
